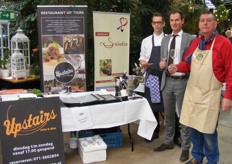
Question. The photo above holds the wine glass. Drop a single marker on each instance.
(172, 54)
(164, 58)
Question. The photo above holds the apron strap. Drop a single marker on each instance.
(213, 43)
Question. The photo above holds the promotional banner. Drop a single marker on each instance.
(111, 46)
(31, 131)
(62, 42)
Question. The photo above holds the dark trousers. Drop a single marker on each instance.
(177, 128)
(157, 129)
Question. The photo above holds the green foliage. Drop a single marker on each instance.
(37, 92)
(221, 13)
(26, 20)
(140, 13)
(192, 10)
(6, 58)
(222, 16)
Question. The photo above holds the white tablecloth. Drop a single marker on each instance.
(110, 115)
(105, 115)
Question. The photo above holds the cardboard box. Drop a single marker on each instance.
(92, 149)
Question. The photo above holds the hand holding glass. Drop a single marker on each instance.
(162, 64)
(172, 53)
(172, 68)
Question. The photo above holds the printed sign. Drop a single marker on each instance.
(7, 15)
(31, 131)
(111, 47)
(62, 39)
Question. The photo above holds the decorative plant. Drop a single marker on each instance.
(37, 92)
(35, 69)
(6, 58)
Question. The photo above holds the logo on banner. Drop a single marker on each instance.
(64, 72)
(123, 22)
(111, 44)
(29, 125)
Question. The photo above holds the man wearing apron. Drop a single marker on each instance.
(209, 59)
(149, 59)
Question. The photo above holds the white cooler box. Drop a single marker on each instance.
(92, 149)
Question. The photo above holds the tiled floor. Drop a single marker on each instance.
(143, 153)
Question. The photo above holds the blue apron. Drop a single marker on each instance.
(154, 69)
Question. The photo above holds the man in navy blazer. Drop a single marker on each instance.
(173, 85)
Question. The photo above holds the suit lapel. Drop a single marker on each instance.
(183, 44)
(167, 42)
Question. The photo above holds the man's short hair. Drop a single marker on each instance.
(178, 12)
(157, 14)
(208, 12)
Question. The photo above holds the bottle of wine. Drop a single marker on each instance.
(73, 140)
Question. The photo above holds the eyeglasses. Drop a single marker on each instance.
(158, 23)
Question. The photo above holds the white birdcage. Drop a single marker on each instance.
(18, 68)
(22, 43)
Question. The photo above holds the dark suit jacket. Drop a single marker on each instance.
(186, 40)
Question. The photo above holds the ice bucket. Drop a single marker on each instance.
(132, 82)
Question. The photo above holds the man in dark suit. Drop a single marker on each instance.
(173, 86)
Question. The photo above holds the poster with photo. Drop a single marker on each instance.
(62, 43)
(111, 47)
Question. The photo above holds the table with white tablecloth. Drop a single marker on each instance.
(111, 115)
(103, 115)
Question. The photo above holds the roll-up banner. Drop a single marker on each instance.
(62, 44)
(111, 47)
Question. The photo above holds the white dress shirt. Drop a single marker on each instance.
(146, 46)
(178, 58)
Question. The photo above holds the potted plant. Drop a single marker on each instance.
(5, 60)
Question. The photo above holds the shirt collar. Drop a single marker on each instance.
(159, 36)
(179, 33)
